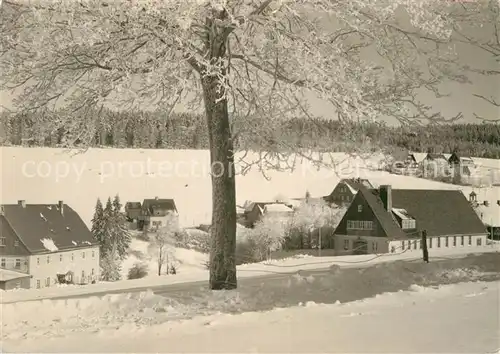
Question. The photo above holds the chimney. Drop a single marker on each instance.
(156, 198)
(498, 202)
(486, 203)
(60, 205)
(22, 203)
(385, 192)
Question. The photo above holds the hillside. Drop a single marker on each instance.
(46, 175)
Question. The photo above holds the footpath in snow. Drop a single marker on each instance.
(460, 318)
(273, 267)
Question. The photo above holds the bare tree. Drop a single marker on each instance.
(163, 243)
(259, 60)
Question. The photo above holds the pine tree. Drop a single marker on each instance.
(110, 266)
(109, 226)
(98, 227)
(121, 234)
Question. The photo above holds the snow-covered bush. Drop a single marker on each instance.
(138, 271)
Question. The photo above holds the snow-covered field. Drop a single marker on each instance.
(45, 175)
(460, 318)
(273, 267)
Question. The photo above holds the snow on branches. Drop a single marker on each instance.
(122, 53)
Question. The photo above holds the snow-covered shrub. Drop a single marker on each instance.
(138, 271)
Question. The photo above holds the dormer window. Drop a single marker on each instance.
(407, 222)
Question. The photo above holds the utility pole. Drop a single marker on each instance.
(425, 251)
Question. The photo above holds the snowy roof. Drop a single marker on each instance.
(490, 215)
(45, 228)
(419, 156)
(10, 275)
(277, 208)
(402, 213)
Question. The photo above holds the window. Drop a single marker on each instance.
(92, 271)
(3, 262)
(341, 197)
(37, 260)
(346, 244)
(93, 254)
(470, 240)
(430, 242)
(420, 243)
(454, 241)
(47, 282)
(16, 243)
(408, 224)
(72, 257)
(83, 254)
(2, 241)
(359, 225)
(38, 284)
(479, 241)
(60, 258)
(48, 259)
(415, 245)
(374, 246)
(462, 241)
(83, 276)
(439, 242)
(18, 263)
(18, 285)
(360, 208)
(446, 241)
(402, 245)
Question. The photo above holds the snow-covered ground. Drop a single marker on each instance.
(460, 318)
(272, 267)
(46, 175)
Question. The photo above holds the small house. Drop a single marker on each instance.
(157, 213)
(133, 211)
(345, 190)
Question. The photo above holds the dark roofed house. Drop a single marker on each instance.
(157, 213)
(256, 210)
(48, 242)
(133, 210)
(387, 220)
(346, 189)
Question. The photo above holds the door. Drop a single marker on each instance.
(360, 246)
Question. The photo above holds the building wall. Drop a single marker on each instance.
(435, 243)
(17, 263)
(161, 221)
(344, 244)
(22, 283)
(380, 245)
(61, 263)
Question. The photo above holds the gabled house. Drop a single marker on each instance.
(489, 213)
(414, 159)
(133, 211)
(344, 192)
(45, 244)
(461, 165)
(257, 210)
(387, 220)
(157, 213)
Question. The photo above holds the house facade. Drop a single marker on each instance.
(48, 243)
(389, 221)
(157, 213)
(344, 192)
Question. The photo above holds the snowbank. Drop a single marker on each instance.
(268, 268)
(445, 317)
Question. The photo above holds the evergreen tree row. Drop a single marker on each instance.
(187, 131)
(109, 227)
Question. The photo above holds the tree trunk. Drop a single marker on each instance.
(223, 231)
